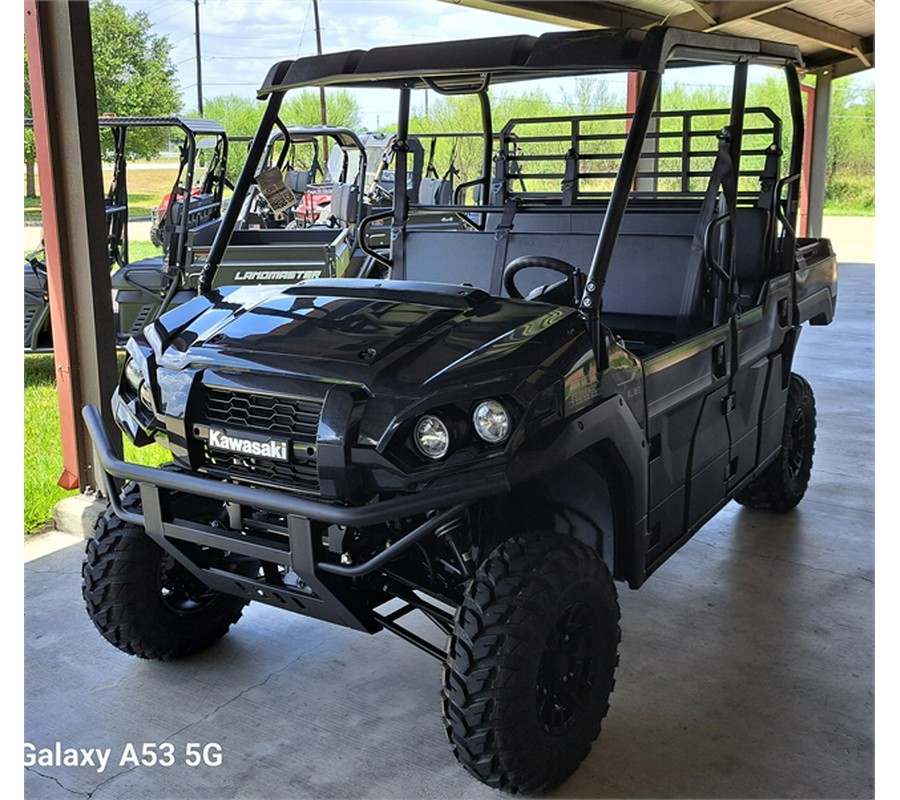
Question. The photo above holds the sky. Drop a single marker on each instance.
(241, 39)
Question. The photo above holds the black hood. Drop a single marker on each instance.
(360, 331)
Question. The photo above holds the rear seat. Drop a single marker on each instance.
(345, 203)
(435, 192)
(297, 180)
(654, 290)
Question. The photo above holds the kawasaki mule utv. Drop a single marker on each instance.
(546, 400)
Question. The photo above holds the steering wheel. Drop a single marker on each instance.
(381, 195)
(515, 266)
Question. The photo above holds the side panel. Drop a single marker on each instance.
(816, 282)
(276, 256)
(685, 387)
(758, 333)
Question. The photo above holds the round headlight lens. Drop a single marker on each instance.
(133, 374)
(491, 421)
(145, 395)
(431, 437)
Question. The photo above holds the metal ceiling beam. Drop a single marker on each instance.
(780, 16)
(777, 15)
(818, 31)
(700, 10)
(841, 64)
(724, 13)
(571, 13)
(703, 16)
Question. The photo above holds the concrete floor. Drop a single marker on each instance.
(746, 662)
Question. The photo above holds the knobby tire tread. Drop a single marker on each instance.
(113, 571)
(497, 626)
(772, 489)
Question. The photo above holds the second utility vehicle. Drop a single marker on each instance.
(145, 288)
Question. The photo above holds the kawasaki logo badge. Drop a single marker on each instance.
(274, 448)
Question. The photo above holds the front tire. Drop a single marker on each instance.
(531, 663)
(142, 600)
(781, 486)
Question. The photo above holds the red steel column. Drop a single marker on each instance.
(632, 90)
(809, 93)
(58, 38)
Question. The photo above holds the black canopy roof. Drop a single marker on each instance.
(345, 137)
(197, 127)
(454, 65)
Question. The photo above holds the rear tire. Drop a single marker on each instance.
(781, 486)
(531, 663)
(142, 600)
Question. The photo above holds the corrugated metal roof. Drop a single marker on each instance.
(835, 35)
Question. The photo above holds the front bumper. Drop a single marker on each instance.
(321, 591)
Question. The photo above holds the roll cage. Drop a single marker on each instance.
(474, 66)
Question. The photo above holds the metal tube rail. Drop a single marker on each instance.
(474, 488)
(392, 551)
(226, 226)
(590, 301)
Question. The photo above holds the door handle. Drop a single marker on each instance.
(719, 365)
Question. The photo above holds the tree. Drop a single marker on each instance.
(134, 73)
(241, 117)
(462, 114)
(851, 139)
(134, 76)
(342, 109)
(593, 95)
(238, 115)
(30, 153)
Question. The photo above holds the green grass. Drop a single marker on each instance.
(32, 209)
(848, 211)
(43, 449)
(141, 250)
(146, 187)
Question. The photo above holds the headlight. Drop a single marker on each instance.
(146, 395)
(491, 421)
(135, 379)
(431, 437)
(133, 375)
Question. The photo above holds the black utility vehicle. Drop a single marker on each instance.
(550, 398)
